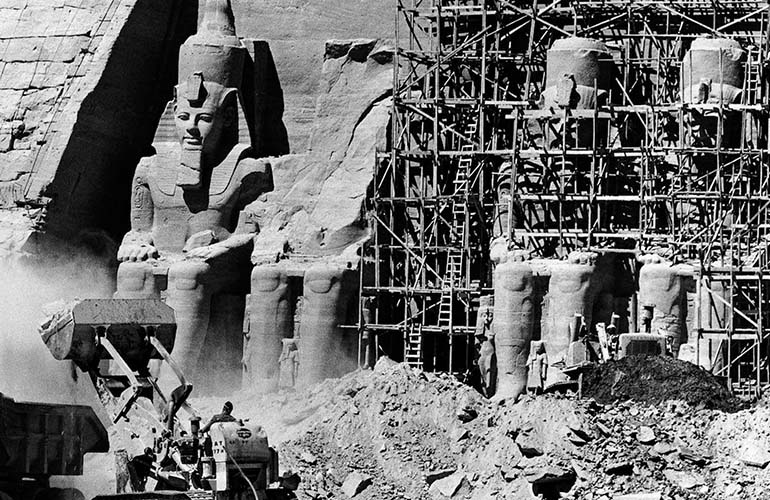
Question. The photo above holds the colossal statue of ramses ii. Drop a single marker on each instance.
(189, 234)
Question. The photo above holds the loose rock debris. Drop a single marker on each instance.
(396, 432)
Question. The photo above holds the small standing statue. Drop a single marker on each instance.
(485, 337)
(289, 363)
(538, 367)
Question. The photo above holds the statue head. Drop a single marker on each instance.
(205, 114)
(206, 110)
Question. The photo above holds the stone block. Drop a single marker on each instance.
(23, 49)
(9, 101)
(18, 75)
(684, 480)
(63, 48)
(639, 496)
(753, 454)
(434, 476)
(447, 486)
(645, 435)
(355, 483)
(49, 74)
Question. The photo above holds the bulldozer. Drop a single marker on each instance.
(114, 341)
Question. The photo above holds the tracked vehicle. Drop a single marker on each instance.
(114, 340)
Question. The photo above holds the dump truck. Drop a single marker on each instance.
(38, 441)
(115, 340)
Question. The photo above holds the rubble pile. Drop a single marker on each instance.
(396, 432)
(654, 379)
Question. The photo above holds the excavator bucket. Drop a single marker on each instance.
(78, 331)
(130, 332)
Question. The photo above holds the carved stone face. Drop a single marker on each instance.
(201, 116)
(199, 126)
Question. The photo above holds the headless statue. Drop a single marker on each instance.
(187, 219)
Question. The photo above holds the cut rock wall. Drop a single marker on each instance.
(297, 31)
(316, 207)
(82, 83)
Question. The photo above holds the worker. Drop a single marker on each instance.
(140, 468)
(225, 416)
(178, 398)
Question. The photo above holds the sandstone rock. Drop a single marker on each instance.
(663, 448)
(683, 479)
(547, 474)
(603, 429)
(621, 467)
(753, 454)
(639, 496)
(580, 471)
(384, 364)
(434, 476)
(355, 483)
(529, 444)
(459, 434)
(732, 489)
(467, 413)
(316, 206)
(645, 435)
(447, 486)
(693, 456)
(308, 458)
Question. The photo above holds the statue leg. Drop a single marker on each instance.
(220, 366)
(512, 373)
(136, 280)
(189, 294)
(269, 322)
(325, 349)
(514, 322)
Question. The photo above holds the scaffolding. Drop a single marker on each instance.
(474, 157)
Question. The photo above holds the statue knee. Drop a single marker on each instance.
(136, 280)
(188, 277)
(267, 279)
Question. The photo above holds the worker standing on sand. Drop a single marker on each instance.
(225, 416)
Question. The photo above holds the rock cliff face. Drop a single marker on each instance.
(316, 208)
(82, 83)
(297, 31)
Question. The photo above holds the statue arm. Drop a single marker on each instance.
(256, 178)
(137, 243)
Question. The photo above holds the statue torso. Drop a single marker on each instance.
(178, 214)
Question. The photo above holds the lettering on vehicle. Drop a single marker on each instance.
(243, 433)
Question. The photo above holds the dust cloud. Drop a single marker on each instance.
(28, 372)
